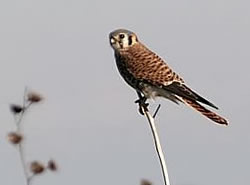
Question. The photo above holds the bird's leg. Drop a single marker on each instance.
(142, 103)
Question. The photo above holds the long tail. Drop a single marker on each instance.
(209, 114)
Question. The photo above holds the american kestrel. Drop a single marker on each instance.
(149, 75)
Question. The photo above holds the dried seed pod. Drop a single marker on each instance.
(36, 167)
(15, 138)
(16, 109)
(34, 97)
(52, 165)
(145, 182)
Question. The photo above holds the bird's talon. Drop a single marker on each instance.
(142, 105)
(137, 101)
(140, 111)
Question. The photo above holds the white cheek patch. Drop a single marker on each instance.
(125, 42)
(112, 40)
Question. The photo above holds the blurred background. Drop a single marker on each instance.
(89, 123)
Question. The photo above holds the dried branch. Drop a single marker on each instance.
(19, 112)
(143, 108)
(16, 138)
(156, 111)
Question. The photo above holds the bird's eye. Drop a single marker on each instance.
(121, 36)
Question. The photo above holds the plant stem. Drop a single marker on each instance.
(21, 154)
(20, 145)
(157, 145)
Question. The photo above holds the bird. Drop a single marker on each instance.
(151, 76)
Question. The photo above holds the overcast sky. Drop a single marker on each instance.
(89, 123)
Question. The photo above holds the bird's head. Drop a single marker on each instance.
(122, 39)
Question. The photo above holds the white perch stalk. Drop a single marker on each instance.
(157, 146)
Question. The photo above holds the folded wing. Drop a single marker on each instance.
(183, 91)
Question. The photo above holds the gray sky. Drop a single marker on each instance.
(89, 123)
